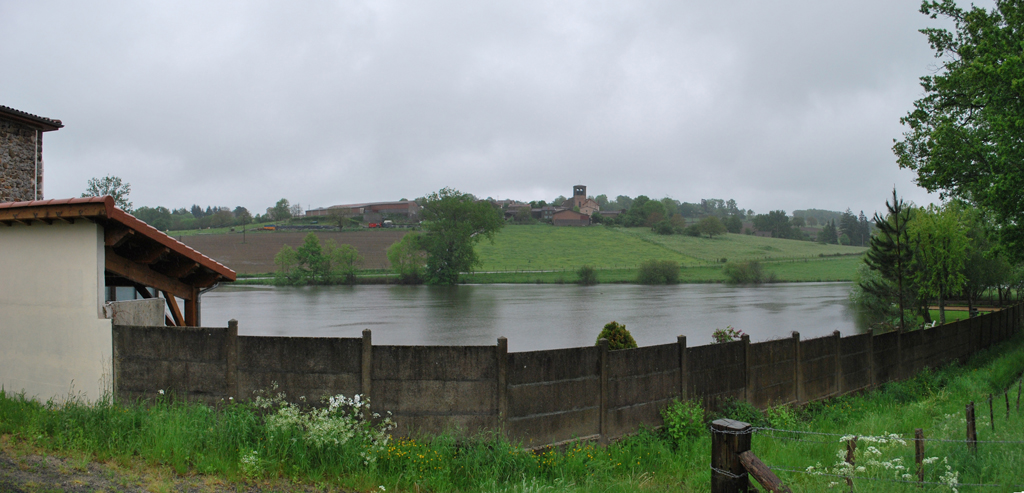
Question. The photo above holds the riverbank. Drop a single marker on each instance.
(175, 446)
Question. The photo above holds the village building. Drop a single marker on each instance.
(580, 202)
(372, 212)
(21, 154)
(570, 218)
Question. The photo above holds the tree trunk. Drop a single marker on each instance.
(942, 308)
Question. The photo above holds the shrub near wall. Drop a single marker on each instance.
(658, 272)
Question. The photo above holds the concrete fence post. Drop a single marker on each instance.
(501, 353)
(602, 346)
(798, 372)
(748, 379)
(366, 368)
(684, 391)
(871, 358)
(729, 439)
(839, 363)
(231, 370)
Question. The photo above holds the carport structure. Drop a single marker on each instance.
(134, 253)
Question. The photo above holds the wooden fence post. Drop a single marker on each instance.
(683, 373)
(231, 373)
(602, 345)
(851, 455)
(501, 353)
(972, 430)
(919, 453)
(991, 414)
(366, 367)
(798, 372)
(729, 438)
(871, 358)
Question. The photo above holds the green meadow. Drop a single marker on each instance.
(546, 254)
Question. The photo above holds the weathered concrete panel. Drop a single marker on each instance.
(136, 312)
(550, 397)
(450, 396)
(299, 354)
(552, 365)
(435, 362)
(543, 429)
(643, 361)
(643, 388)
(296, 385)
(416, 425)
(626, 420)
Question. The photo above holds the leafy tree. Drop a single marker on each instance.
(891, 255)
(157, 217)
(586, 275)
(602, 201)
(986, 267)
(964, 136)
(664, 227)
(849, 226)
(280, 211)
(313, 267)
(687, 209)
(596, 218)
(407, 259)
(711, 226)
(941, 252)
(197, 212)
(658, 272)
(828, 234)
(286, 259)
(454, 223)
(341, 261)
(242, 215)
(775, 221)
(625, 203)
(112, 186)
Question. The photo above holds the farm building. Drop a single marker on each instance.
(373, 212)
(570, 218)
(59, 256)
(580, 202)
(21, 154)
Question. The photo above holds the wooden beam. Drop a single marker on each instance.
(114, 236)
(180, 270)
(148, 255)
(192, 309)
(69, 211)
(175, 311)
(142, 274)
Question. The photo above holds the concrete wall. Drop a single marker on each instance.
(537, 397)
(53, 335)
(136, 312)
(21, 151)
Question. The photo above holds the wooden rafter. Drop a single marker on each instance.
(142, 274)
(114, 236)
(172, 304)
(150, 255)
(53, 211)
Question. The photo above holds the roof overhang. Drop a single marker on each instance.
(35, 121)
(135, 253)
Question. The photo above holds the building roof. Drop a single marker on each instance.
(42, 123)
(134, 250)
(372, 204)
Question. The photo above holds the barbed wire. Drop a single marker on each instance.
(771, 431)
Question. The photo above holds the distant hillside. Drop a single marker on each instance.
(821, 215)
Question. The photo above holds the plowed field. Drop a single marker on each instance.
(256, 255)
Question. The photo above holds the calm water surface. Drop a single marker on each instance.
(533, 316)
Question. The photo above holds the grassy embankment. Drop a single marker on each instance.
(531, 254)
(235, 444)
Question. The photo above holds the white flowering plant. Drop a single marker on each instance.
(877, 457)
(341, 431)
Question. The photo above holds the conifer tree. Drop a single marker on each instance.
(891, 255)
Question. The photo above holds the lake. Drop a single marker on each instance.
(533, 317)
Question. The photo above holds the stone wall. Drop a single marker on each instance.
(20, 146)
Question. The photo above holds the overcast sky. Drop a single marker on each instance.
(778, 105)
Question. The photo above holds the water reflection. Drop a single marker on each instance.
(534, 316)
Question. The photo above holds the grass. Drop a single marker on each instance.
(234, 443)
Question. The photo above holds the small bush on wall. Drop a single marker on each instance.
(617, 335)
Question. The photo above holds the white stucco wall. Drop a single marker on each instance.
(54, 339)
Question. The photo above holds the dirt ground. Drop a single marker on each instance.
(256, 255)
(27, 471)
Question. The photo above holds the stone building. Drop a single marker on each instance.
(21, 154)
(579, 201)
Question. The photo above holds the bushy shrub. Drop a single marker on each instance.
(747, 273)
(683, 419)
(664, 227)
(658, 272)
(586, 275)
(782, 417)
(741, 411)
(728, 334)
(617, 335)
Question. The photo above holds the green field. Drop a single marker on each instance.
(520, 252)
